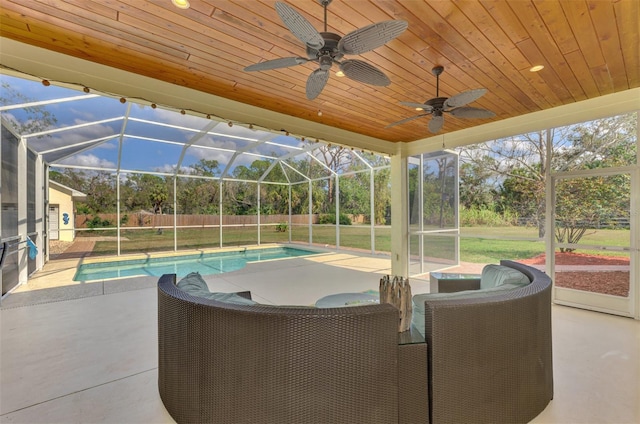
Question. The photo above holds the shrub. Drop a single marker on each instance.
(97, 222)
(281, 227)
(331, 219)
(470, 217)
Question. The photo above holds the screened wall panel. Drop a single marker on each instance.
(324, 205)
(301, 217)
(382, 209)
(31, 206)
(355, 210)
(274, 213)
(10, 188)
(239, 213)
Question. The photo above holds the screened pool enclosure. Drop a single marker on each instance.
(162, 179)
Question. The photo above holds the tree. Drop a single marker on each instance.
(382, 195)
(205, 167)
(438, 192)
(338, 159)
(354, 193)
(586, 203)
(70, 178)
(158, 196)
(199, 195)
(476, 190)
(519, 164)
(523, 194)
(523, 158)
(144, 192)
(34, 119)
(98, 186)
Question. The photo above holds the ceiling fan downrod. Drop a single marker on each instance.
(324, 4)
(437, 70)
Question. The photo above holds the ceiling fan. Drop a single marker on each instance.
(326, 48)
(438, 106)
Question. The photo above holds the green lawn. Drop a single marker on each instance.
(478, 244)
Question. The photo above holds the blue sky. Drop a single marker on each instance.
(146, 147)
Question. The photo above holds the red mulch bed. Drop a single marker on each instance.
(606, 282)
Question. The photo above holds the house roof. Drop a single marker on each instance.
(75, 194)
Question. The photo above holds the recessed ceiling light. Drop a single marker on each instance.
(182, 4)
(339, 74)
(536, 68)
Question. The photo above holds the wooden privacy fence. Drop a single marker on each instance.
(151, 220)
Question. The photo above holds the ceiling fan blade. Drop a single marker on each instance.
(472, 112)
(363, 72)
(425, 107)
(299, 26)
(406, 120)
(370, 37)
(436, 123)
(316, 82)
(285, 62)
(464, 98)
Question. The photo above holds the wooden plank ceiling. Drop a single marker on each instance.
(588, 48)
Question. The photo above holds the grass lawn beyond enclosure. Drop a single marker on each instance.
(477, 244)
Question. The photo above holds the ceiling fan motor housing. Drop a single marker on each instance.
(330, 47)
(437, 103)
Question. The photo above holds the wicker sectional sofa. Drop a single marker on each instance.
(233, 363)
(229, 363)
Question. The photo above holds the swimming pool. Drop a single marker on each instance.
(204, 263)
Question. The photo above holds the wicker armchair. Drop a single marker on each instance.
(489, 358)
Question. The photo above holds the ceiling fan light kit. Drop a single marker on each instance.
(326, 48)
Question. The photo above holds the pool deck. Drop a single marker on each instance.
(55, 281)
(87, 352)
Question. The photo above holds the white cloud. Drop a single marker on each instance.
(166, 168)
(78, 135)
(88, 161)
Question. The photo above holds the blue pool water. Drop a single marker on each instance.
(204, 263)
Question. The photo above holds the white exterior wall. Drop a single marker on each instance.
(65, 203)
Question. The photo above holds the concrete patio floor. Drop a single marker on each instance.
(76, 352)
